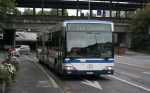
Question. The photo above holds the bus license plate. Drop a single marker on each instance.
(89, 73)
(90, 66)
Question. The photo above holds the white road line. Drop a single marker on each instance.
(52, 80)
(147, 73)
(130, 83)
(94, 84)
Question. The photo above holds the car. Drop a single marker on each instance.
(23, 49)
(13, 52)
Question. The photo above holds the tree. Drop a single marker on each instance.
(16, 12)
(139, 29)
(44, 13)
(54, 12)
(28, 12)
(6, 7)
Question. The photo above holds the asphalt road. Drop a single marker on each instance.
(129, 77)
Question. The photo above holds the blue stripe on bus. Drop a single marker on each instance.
(90, 61)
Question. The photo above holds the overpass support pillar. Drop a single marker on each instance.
(57, 12)
(77, 12)
(91, 13)
(34, 11)
(126, 14)
(42, 11)
(62, 12)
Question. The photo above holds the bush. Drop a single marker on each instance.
(7, 73)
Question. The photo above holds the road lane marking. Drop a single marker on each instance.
(52, 80)
(147, 73)
(43, 83)
(94, 84)
(130, 83)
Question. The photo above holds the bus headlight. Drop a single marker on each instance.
(109, 68)
(69, 68)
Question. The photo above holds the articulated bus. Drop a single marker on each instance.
(79, 47)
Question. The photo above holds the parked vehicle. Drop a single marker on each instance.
(23, 49)
(13, 52)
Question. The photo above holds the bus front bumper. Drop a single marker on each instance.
(84, 72)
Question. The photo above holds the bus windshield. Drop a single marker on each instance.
(89, 44)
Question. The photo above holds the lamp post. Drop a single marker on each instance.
(42, 6)
(77, 8)
(89, 5)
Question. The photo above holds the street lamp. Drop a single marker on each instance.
(89, 9)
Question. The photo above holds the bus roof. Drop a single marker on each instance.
(86, 21)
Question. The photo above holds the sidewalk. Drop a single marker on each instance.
(135, 59)
(32, 79)
(135, 53)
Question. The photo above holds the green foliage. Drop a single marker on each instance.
(139, 29)
(7, 6)
(54, 12)
(28, 12)
(4, 74)
(16, 12)
(7, 72)
(44, 13)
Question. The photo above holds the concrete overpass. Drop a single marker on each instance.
(39, 23)
(46, 23)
